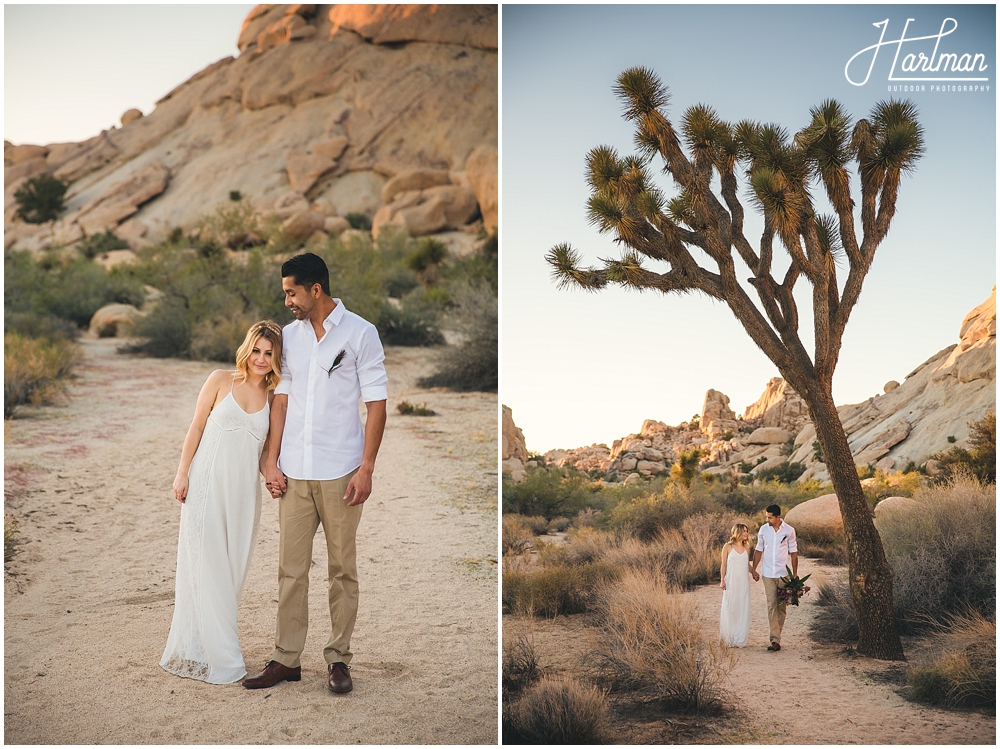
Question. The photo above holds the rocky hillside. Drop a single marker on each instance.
(906, 424)
(388, 111)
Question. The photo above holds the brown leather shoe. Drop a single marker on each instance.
(340, 678)
(774, 646)
(273, 673)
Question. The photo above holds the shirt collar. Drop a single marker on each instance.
(336, 316)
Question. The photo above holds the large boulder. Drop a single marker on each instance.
(428, 211)
(25, 152)
(304, 169)
(778, 406)
(114, 320)
(768, 436)
(131, 115)
(414, 179)
(817, 520)
(481, 171)
(513, 445)
(716, 415)
(469, 25)
(892, 505)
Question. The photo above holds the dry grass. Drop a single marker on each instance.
(516, 534)
(550, 590)
(653, 645)
(556, 712)
(835, 621)
(519, 666)
(34, 370)
(965, 672)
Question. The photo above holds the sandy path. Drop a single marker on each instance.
(836, 698)
(88, 599)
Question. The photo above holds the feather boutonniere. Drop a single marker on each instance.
(336, 362)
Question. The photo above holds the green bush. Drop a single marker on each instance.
(645, 516)
(556, 712)
(218, 337)
(41, 199)
(943, 552)
(47, 327)
(981, 460)
(105, 241)
(473, 364)
(786, 473)
(34, 370)
(413, 323)
(516, 536)
(549, 494)
(359, 221)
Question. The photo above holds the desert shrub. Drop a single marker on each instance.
(473, 363)
(413, 323)
(104, 241)
(235, 195)
(238, 225)
(753, 498)
(71, 290)
(516, 534)
(48, 327)
(519, 666)
(586, 518)
(556, 712)
(786, 473)
(882, 485)
(653, 644)
(964, 670)
(645, 515)
(34, 370)
(166, 331)
(557, 525)
(218, 337)
(550, 590)
(835, 620)
(547, 493)
(427, 252)
(539, 525)
(979, 461)
(409, 409)
(356, 274)
(10, 542)
(40, 199)
(943, 552)
(359, 221)
(399, 281)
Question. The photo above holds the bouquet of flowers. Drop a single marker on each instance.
(795, 588)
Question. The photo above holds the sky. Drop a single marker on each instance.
(70, 71)
(581, 367)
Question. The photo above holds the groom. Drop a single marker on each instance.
(331, 357)
(776, 546)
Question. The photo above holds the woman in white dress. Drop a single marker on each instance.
(218, 484)
(734, 623)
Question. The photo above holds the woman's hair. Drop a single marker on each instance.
(737, 533)
(270, 331)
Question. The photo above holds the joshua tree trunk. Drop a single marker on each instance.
(781, 173)
(870, 573)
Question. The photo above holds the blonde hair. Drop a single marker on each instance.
(737, 533)
(270, 331)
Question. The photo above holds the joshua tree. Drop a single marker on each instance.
(781, 172)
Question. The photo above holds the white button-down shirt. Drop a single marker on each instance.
(324, 438)
(776, 545)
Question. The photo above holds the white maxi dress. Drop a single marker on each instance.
(734, 623)
(218, 531)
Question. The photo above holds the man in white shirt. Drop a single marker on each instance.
(777, 549)
(331, 357)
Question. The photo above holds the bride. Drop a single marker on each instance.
(734, 623)
(218, 484)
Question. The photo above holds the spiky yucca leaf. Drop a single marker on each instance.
(566, 270)
(649, 203)
(626, 272)
(603, 167)
(701, 127)
(641, 92)
(679, 209)
(778, 201)
(827, 138)
(828, 232)
(605, 211)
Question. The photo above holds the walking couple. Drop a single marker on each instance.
(776, 549)
(290, 412)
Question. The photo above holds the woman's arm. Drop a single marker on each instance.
(725, 560)
(206, 402)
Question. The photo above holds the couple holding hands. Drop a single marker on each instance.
(290, 412)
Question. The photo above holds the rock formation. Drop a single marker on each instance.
(329, 102)
(908, 423)
(513, 453)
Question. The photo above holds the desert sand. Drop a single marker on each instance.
(808, 693)
(89, 596)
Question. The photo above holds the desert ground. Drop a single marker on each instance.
(89, 594)
(807, 693)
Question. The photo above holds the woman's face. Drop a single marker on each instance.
(745, 535)
(260, 356)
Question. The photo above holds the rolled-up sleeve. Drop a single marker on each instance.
(285, 386)
(760, 539)
(793, 547)
(371, 367)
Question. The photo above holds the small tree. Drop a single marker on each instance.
(781, 173)
(40, 199)
(686, 467)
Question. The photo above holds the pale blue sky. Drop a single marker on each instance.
(70, 71)
(581, 368)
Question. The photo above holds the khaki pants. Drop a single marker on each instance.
(775, 607)
(303, 507)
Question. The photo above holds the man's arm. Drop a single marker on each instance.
(361, 483)
(273, 476)
(757, 555)
(793, 556)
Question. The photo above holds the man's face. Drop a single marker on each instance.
(773, 520)
(297, 298)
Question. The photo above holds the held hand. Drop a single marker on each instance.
(180, 488)
(361, 485)
(756, 576)
(723, 585)
(275, 482)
